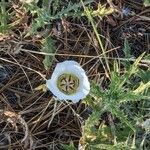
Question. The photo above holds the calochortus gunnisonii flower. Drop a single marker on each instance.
(69, 81)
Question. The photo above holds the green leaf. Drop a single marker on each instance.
(5, 16)
(90, 131)
(127, 53)
(144, 75)
(127, 49)
(69, 147)
(92, 121)
(109, 147)
(48, 47)
(146, 3)
(147, 57)
(120, 114)
(96, 90)
(134, 68)
(70, 7)
(45, 16)
(101, 147)
(142, 88)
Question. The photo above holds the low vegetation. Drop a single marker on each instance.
(109, 39)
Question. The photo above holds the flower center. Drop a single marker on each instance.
(68, 83)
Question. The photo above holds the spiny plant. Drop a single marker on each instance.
(43, 18)
(48, 47)
(146, 3)
(4, 15)
(120, 135)
(49, 12)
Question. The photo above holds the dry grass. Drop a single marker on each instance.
(31, 119)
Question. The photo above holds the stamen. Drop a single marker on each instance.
(68, 83)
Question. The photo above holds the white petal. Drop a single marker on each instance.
(65, 67)
(70, 63)
(59, 69)
(51, 84)
(86, 84)
(76, 70)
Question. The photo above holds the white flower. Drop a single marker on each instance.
(69, 81)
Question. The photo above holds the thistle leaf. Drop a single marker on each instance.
(48, 47)
(127, 49)
(142, 88)
(146, 3)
